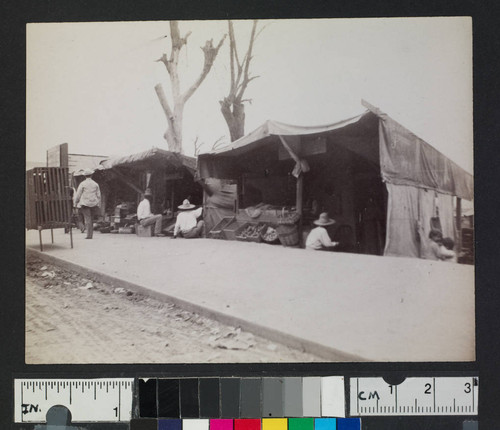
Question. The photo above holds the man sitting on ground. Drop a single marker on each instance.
(318, 239)
(145, 216)
(187, 224)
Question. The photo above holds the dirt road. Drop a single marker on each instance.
(71, 319)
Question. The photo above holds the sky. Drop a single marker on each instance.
(92, 84)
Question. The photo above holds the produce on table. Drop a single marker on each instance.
(252, 231)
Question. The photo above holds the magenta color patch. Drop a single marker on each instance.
(221, 424)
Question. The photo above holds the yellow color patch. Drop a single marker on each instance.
(274, 424)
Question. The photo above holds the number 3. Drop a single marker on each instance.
(467, 387)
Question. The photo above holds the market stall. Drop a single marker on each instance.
(123, 180)
(373, 176)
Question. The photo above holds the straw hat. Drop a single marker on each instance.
(87, 172)
(324, 219)
(148, 192)
(186, 205)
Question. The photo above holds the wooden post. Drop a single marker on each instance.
(298, 204)
(172, 196)
(299, 194)
(458, 248)
(40, 237)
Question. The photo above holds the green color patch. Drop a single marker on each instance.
(300, 423)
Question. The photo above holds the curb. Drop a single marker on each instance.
(329, 354)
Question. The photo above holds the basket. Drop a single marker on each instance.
(289, 219)
(271, 242)
(288, 234)
(257, 238)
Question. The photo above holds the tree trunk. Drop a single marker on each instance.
(234, 114)
(173, 135)
(232, 106)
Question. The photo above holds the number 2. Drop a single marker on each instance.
(428, 388)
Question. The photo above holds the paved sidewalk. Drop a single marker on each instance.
(343, 307)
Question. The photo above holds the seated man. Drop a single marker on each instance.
(187, 224)
(318, 239)
(145, 216)
(446, 250)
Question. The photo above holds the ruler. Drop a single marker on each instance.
(88, 400)
(414, 396)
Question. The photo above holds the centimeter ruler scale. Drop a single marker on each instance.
(414, 396)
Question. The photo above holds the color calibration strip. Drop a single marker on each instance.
(247, 424)
(293, 397)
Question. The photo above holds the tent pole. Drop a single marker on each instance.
(459, 225)
(298, 203)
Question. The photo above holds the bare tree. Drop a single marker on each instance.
(216, 145)
(197, 146)
(232, 106)
(174, 114)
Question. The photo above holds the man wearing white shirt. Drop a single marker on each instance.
(187, 224)
(145, 216)
(318, 239)
(88, 197)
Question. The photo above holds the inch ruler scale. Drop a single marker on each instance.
(419, 396)
(110, 400)
(88, 400)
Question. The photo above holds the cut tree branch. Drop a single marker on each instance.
(210, 54)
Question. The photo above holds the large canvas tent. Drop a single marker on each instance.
(369, 166)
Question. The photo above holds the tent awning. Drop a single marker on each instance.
(404, 158)
(171, 159)
(275, 128)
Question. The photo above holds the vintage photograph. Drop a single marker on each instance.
(250, 191)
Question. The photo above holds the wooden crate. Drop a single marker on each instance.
(48, 201)
(218, 231)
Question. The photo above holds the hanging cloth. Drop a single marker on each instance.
(300, 164)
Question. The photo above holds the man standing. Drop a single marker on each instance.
(88, 198)
(145, 216)
(187, 224)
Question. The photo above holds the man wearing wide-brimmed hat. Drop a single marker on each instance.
(88, 198)
(187, 224)
(318, 239)
(146, 217)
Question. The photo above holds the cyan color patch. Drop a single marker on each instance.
(325, 424)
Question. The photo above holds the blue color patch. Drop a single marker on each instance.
(349, 424)
(173, 424)
(325, 424)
